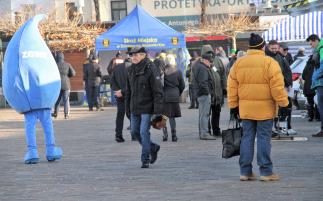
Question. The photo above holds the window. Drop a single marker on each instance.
(71, 10)
(118, 10)
(27, 11)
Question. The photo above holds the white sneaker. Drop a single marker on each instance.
(291, 132)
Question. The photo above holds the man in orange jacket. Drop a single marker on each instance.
(255, 87)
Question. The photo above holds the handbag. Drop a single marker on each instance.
(231, 139)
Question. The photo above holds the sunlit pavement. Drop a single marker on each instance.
(95, 167)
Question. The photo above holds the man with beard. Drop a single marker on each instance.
(144, 97)
(272, 50)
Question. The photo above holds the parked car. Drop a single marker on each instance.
(297, 68)
(299, 64)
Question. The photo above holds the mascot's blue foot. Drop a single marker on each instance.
(31, 157)
(53, 153)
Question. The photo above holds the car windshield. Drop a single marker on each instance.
(297, 62)
(298, 65)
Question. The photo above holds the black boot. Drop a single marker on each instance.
(119, 138)
(145, 165)
(174, 137)
(165, 136)
(310, 111)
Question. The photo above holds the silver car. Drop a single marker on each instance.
(297, 68)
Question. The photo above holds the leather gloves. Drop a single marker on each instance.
(284, 111)
(234, 112)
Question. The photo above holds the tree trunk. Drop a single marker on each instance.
(97, 10)
(234, 42)
(203, 13)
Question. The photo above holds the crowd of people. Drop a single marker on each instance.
(259, 78)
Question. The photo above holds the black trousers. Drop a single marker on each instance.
(193, 96)
(92, 94)
(121, 112)
(215, 119)
(288, 118)
(312, 108)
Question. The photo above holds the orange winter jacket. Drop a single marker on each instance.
(256, 86)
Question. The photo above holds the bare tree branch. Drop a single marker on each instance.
(63, 36)
(226, 24)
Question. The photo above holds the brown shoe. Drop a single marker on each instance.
(319, 134)
(273, 177)
(251, 177)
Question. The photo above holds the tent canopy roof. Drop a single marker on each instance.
(140, 28)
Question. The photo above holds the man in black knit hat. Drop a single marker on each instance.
(255, 87)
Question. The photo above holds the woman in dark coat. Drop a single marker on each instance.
(173, 87)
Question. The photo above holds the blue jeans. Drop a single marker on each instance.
(319, 92)
(262, 129)
(65, 94)
(140, 126)
(113, 98)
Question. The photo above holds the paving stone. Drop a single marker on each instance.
(95, 167)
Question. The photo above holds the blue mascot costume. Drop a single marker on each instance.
(31, 85)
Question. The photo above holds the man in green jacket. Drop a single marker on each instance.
(317, 79)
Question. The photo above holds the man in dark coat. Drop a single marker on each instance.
(118, 85)
(273, 51)
(111, 67)
(66, 71)
(308, 92)
(144, 97)
(204, 86)
(86, 65)
(93, 75)
(191, 89)
(220, 85)
(283, 49)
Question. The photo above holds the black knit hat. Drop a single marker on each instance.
(256, 41)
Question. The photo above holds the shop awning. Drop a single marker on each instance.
(296, 28)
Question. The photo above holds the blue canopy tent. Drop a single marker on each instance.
(139, 28)
(296, 28)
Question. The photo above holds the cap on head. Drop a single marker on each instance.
(207, 53)
(207, 49)
(137, 49)
(256, 41)
(283, 46)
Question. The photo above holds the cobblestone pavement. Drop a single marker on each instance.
(95, 167)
